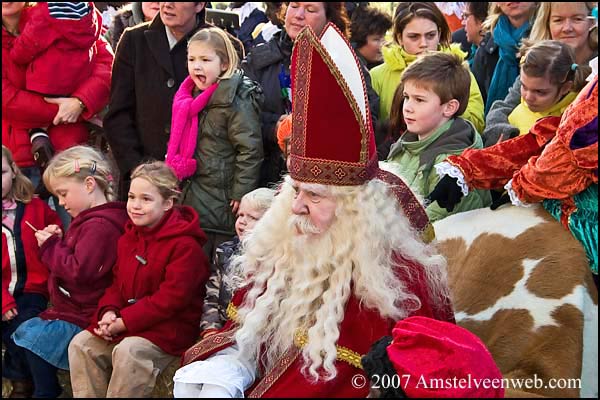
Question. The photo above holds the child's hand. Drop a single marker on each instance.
(54, 229)
(107, 319)
(10, 314)
(116, 327)
(235, 205)
(42, 236)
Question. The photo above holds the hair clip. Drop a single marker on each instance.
(574, 67)
(76, 165)
(109, 178)
(93, 168)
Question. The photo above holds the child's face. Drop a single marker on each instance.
(204, 65)
(539, 93)
(73, 194)
(371, 50)
(145, 205)
(246, 218)
(7, 177)
(423, 110)
(420, 36)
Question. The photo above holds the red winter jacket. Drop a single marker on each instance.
(81, 262)
(159, 281)
(56, 52)
(23, 110)
(22, 268)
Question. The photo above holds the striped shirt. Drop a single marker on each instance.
(67, 10)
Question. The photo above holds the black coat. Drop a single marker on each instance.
(264, 64)
(484, 64)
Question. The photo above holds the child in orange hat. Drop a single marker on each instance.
(425, 357)
(284, 132)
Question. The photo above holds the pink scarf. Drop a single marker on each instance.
(184, 128)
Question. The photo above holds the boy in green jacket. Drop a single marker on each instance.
(433, 91)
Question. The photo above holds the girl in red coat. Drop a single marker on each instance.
(80, 261)
(151, 313)
(24, 276)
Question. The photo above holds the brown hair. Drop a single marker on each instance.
(160, 175)
(275, 12)
(336, 12)
(554, 60)
(219, 41)
(368, 21)
(22, 188)
(442, 73)
(406, 12)
(479, 10)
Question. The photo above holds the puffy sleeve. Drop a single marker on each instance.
(569, 164)
(492, 167)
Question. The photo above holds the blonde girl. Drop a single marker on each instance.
(215, 145)
(151, 313)
(24, 275)
(79, 261)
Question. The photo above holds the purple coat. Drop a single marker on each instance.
(81, 263)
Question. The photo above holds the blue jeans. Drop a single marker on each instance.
(14, 365)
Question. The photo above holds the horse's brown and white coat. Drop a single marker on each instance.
(521, 282)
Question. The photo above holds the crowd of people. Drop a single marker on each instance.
(263, 210)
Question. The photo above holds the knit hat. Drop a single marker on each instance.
(332, 139)
(441, 359)
(66, 10)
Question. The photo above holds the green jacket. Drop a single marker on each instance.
(414, 160)
(386, 78)
(229, 153)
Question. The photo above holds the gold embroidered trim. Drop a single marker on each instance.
(364, 133)
(343, 353)
(325, 171)
(300, 339)
(207, 345)
(274, 374)
(232, 313)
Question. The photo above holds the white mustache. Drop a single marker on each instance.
(303, 225)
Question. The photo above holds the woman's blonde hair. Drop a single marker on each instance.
(554, 60)
(496, 12)
(541, 26)
(80, 162)
(220, 42)
(22, 188)
(159, 174)
(259, 199)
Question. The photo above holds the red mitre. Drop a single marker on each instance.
(332, 139)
